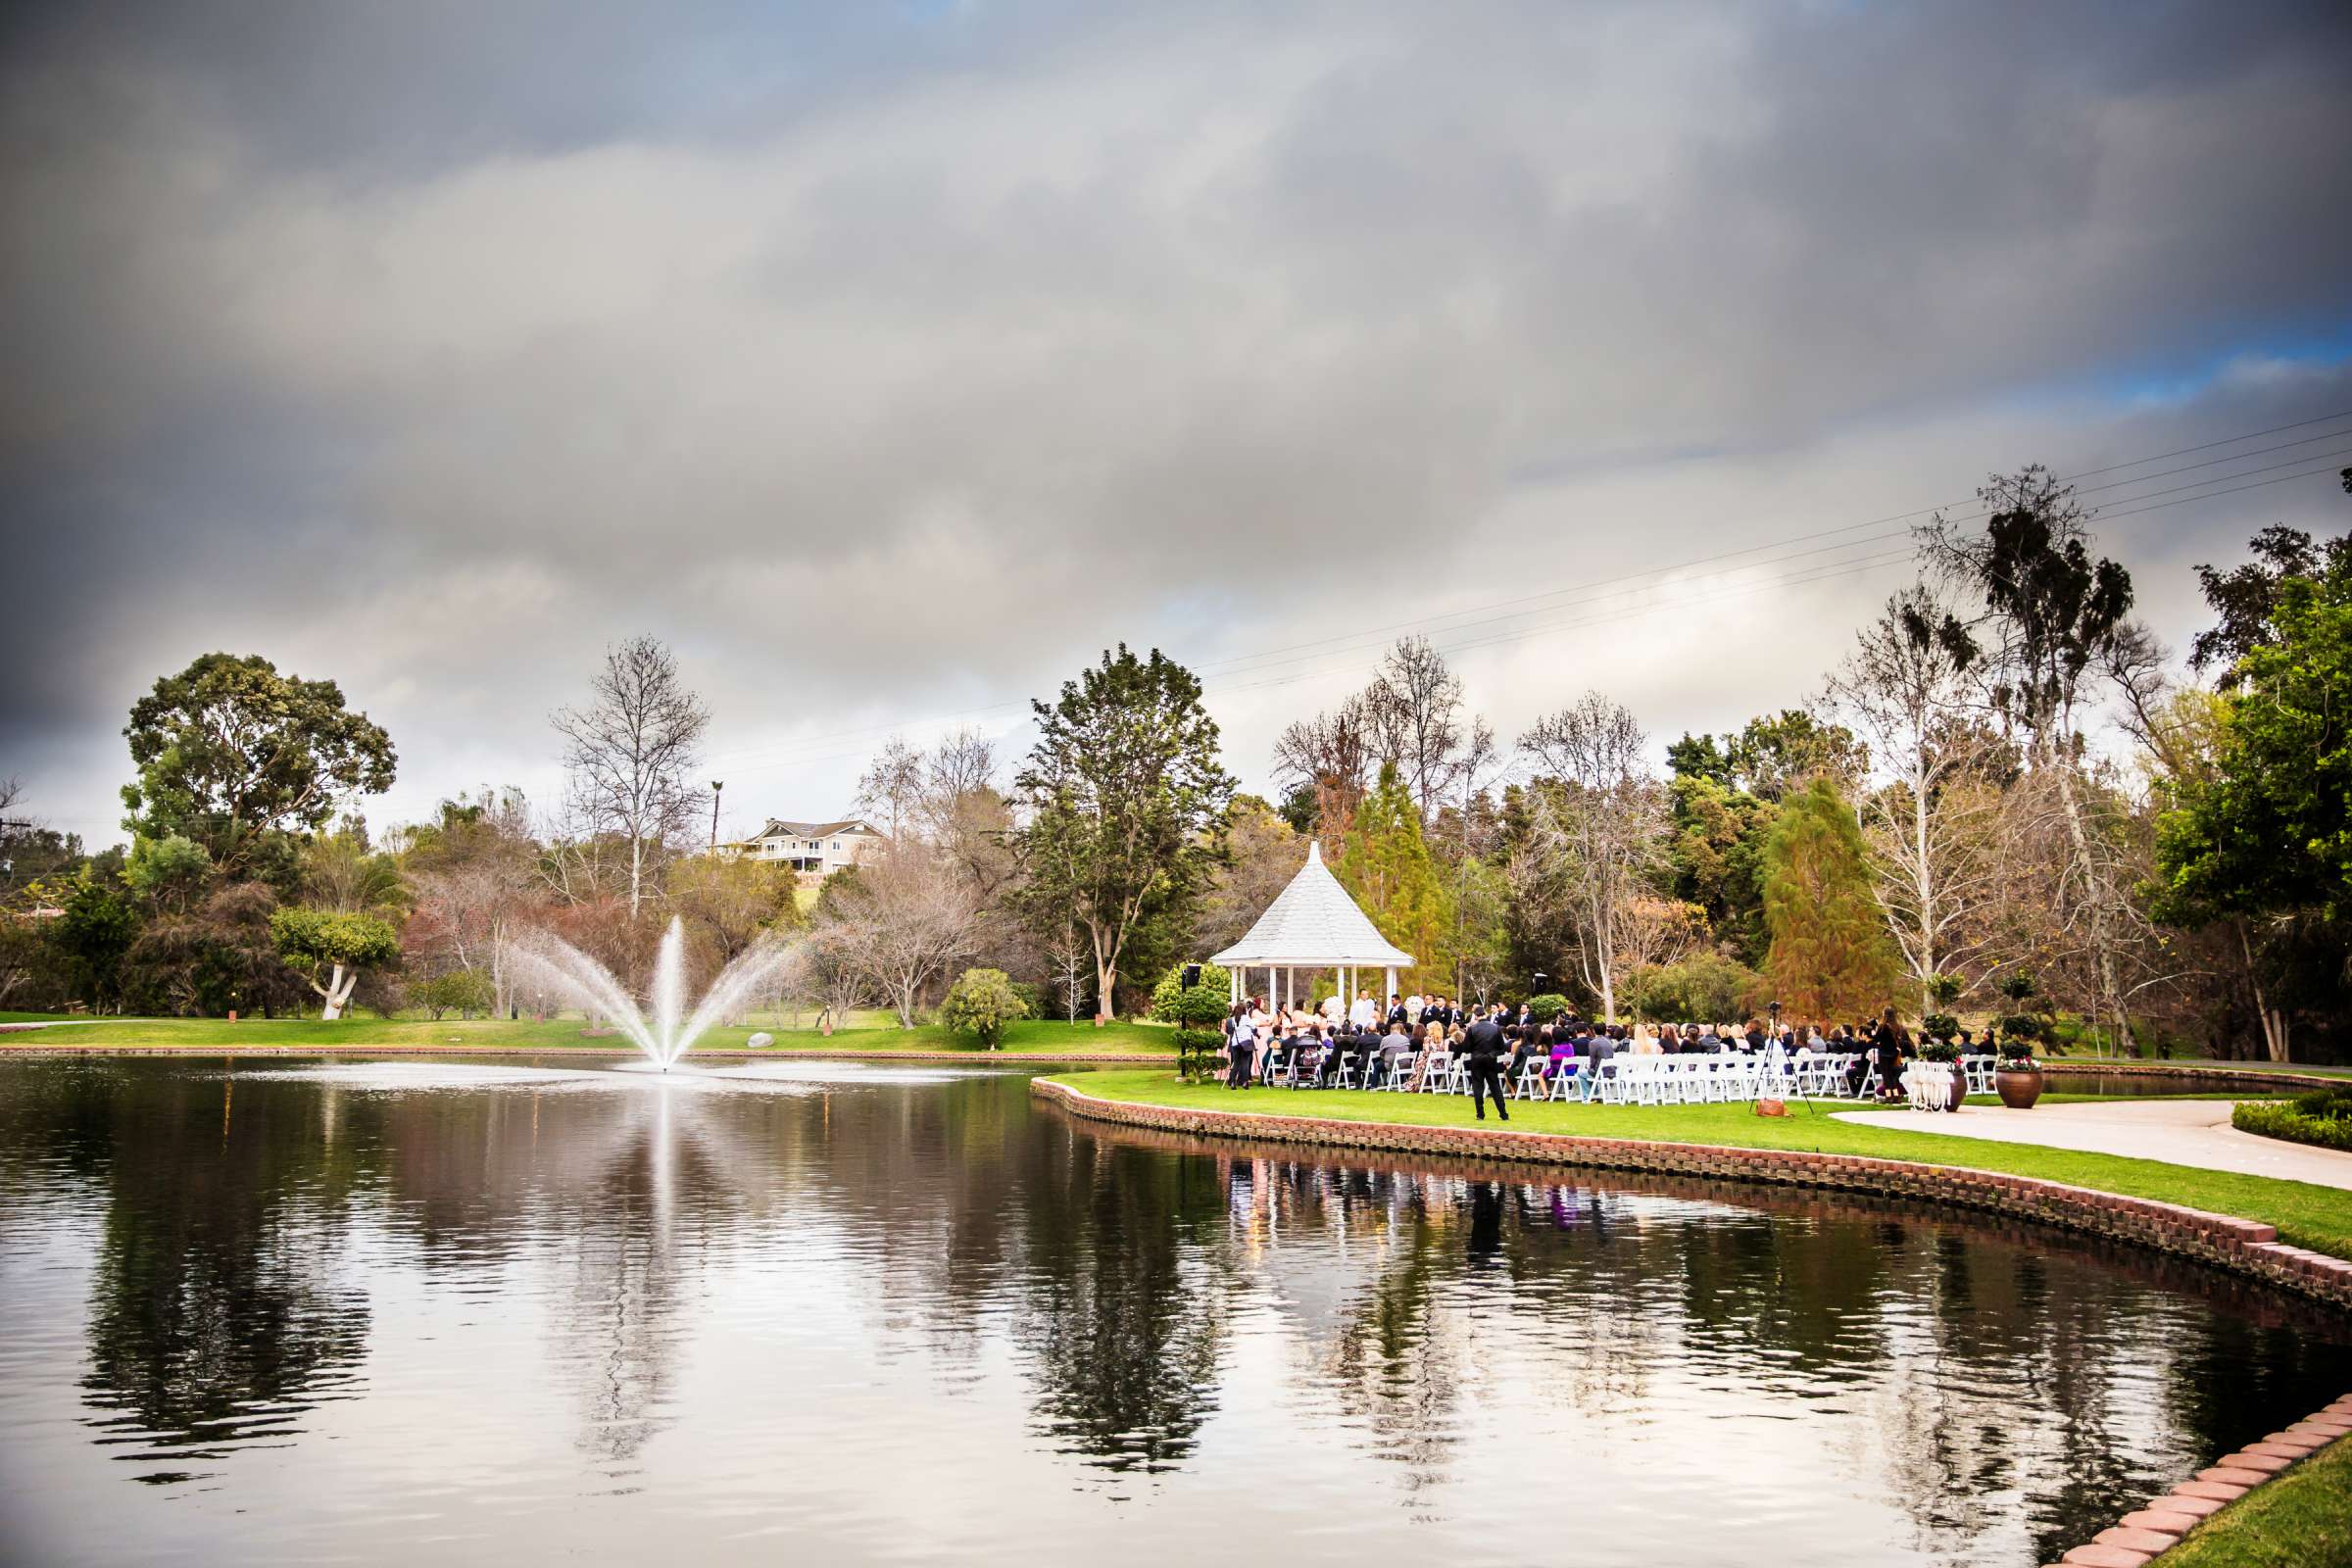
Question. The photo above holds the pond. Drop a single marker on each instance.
(281, 1312)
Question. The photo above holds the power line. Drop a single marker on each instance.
(1364, 638)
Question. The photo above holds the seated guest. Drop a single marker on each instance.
(1564, 1058)
(1670, 1039)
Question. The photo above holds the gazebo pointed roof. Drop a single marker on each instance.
(1314, 925)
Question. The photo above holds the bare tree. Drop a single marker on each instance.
(827, 966)
(1597, 827)
(905, 919)
(889, 786)
(965, 815)
(1330, 754)
(629, 753)
(1931, 825)
(2051, 615)
(1414, 708)
(2177, 728)
(1071, 954)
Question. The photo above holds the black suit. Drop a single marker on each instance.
(1483, 1045)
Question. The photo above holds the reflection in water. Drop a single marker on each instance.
(525, 1309)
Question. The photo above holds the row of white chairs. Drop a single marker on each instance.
(1683, 1079)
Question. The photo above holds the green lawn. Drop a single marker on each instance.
(1029, 1036)
(2301, 1520)
(2307, 1215)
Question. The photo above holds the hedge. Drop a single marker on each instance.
(2323, 1119)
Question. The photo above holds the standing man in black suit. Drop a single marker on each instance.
(1483, 1045)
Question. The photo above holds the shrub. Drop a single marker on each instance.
(980, 1003)
(1548, 1008)
(1939, 1050)
(2017, 1055)
(1195, 1012)
(464, 992)
(2327, 1122)
(1939, 1025)
(2019, 1026)
(1705, 988)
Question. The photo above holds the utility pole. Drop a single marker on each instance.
(716, 785)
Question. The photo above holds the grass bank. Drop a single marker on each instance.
(1031, 1037)
(2306, 1215)
(2301, 1520)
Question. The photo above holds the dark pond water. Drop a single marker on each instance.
(290, 1312)
(2140, 1085)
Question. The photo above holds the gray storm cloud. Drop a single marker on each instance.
(891, 366)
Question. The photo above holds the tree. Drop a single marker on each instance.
(1126, 805)
(230, 753)
(92, 936)
(1194, 1010)
(1703, 988)
(1327, 763)
(1714, 853)
(728, 905)
(890, 785)
(170, 873)
(1595, 833)
(629, 753)
(2052, 612)
(2247, 598)
(311, 940)
(341, 871)
(1265, 853)
(900, 923)
(1387, 866)
(2266, 832)
(1929, 826)
(980, 1003)
(1413, 707)
(464, 992)
(1776, 755)
(1830, 953)
(477, 878)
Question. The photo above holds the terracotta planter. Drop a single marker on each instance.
(2017, 1089)
(1958, 1089)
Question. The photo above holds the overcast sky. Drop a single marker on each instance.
(891, 360)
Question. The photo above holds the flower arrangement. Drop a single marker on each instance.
(2017, 1055)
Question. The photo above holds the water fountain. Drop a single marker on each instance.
(550, 961)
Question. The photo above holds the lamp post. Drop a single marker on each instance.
(716, 785)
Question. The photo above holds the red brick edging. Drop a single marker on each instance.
(2241, 1245)
(2144, 1534)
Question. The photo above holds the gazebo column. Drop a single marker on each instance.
(1389, 999)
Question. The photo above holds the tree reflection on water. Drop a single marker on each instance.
(1433, 1318)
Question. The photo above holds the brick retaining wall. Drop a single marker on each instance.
(2241, 1245)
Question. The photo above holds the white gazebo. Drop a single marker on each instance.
(1314, 925)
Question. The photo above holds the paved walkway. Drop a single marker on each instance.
(2178, 1132)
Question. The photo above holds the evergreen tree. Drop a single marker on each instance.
(1387, 866)
(1829, 957)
